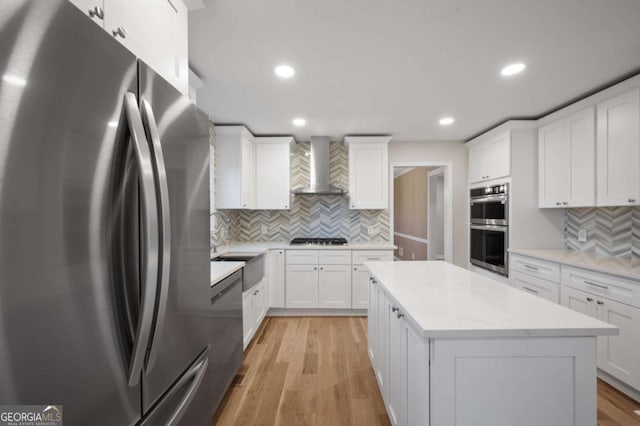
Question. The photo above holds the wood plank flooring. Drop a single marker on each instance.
(316, 371)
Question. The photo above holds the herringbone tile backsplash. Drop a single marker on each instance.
(613, 231)
(311, 215)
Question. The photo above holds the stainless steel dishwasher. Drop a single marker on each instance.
(226, 342)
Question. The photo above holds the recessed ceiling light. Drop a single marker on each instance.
(299, 122)
(446, 121)
(284, 71)
(513, 69)
(112, 124)
(14, 79)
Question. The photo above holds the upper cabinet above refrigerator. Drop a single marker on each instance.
(153, 30)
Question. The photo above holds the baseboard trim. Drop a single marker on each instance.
(619, 385)
(297, 312)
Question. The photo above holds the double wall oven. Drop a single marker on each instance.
(489, 227)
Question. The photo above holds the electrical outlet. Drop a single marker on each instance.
(371, 229)
(582, 235)
(400, 251)
(264, 230)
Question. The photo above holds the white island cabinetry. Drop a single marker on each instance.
(495, 356)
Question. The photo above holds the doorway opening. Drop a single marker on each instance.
(421, 211)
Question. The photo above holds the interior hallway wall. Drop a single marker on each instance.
(456, 153)
(410, 213)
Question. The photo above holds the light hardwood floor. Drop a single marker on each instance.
(315, 371)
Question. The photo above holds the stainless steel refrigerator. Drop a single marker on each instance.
(104, 234)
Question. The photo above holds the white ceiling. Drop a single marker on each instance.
(396, 67)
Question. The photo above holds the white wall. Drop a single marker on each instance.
(456, 153)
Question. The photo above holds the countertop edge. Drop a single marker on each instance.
(236, 267)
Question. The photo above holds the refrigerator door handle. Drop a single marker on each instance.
(150, 252)
(164, 268)
(195, 374)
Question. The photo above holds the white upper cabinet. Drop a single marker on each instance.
(273, 170)
(368, 171)
(619, 150)
(235, 174)
(490, 159)
(153, 30)
(566, 162)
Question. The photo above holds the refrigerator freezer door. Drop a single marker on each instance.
(64, 335)
(183, 326)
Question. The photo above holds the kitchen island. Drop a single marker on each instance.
(451, 347)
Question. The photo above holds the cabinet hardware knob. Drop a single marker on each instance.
(286, 207)
(558, 203)
(399, 315)
(564, 203)
(632, 200)
(394, 309)
(96, 12)
(315, 269)
(119, 32)
(600, 302)
(321, 268)
(589, 299)
(355, 269)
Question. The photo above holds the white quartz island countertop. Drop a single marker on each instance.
(444, 300)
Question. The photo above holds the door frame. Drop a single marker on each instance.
(448, 200)
(431, 182)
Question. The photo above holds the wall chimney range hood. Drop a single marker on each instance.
(319, 170)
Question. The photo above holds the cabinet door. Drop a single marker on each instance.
(360, 288)
(477, 163)
(579, 137)
(618, 147)
(373, 318)
(155, 31)
(301, 285)
(368, 176)
(417, 355)
(273, 171)
(620, 355)
(397, 395)
(499, 156)
(92, 8)
(553, 169)
(334, 286)
(248, 193)
(382, 371)
(248, 319)
(276, 278)
(579, 301)
(259, 303)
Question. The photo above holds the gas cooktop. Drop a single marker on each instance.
(320, 241)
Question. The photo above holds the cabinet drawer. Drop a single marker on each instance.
(334, 257)
(538, 268)
(302, 257)
(536, 286)
(614, 288)
(361, 256)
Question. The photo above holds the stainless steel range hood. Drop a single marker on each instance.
(319, 170)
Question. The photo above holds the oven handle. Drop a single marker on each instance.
(488, 199)
(498, 228)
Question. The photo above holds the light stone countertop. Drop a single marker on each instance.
(221, 270)
(624, 267)
(249, 246)
(444, 300)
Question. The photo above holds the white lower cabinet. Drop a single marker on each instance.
(400, 359)
(617, 355)
(360, 288)
(536, 286)
(276, 273)
(254, 309)
(334, 286)
(302, 286)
